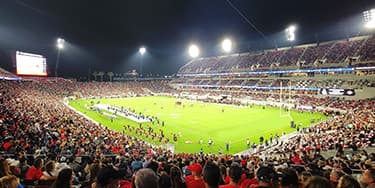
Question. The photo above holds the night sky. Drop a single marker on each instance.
(106, 35)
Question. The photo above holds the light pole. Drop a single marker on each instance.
(369, 16)
(142, 51)
(60, 46)
(291, 33)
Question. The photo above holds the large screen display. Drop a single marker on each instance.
(31, 64)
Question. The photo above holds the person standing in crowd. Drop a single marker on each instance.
(235, 172)
(368, 178)
(195, 180)
(177, 180)
(317, 182)
(146, 178)
(107, 177)
(267, 177)
(348, 181)
(289, 178)
(64, 179)
(211, 175)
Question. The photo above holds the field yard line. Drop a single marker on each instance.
(80, 113)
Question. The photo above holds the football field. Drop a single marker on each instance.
(194, 121)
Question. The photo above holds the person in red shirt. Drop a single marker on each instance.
(35, 172)
(195, 180)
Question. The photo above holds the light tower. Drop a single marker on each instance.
(369, 16)
(142, 51)
(290, 33)
(60, 46)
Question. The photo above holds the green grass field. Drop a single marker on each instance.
(199, 120)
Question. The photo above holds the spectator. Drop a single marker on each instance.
(107, 177)
(211, 175)
(177, 180)
(289, 178)
(136, 164)
(146, 178)
(64, 179)
(195, 180)
(50, 170)
(35, 172)
(235, 172)
(348, 182)
(334, 176)
(368, 178)
(4, 168)
(93, 172)
(317, 182)
(267, 177)
(10, 181)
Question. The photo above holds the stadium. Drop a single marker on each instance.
(290, 112)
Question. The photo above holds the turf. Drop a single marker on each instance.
(198, 120)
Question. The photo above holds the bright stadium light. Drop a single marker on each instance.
(369, 17)
(290, 33)
(142, 50)
(227, 45)
(194, 51)
(60, 43)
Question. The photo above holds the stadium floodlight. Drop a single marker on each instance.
(60, 43)
(60, 46)
(227, 45)
(369, 17)
(194, 51)
(142, 50)
(290, 33)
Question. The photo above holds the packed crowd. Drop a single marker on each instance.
(45, 143)
(6, 74)
(334, 53)
(305, 98)
(273, 82)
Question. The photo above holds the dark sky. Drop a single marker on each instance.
(106, 35)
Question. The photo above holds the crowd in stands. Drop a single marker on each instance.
(330, 54)
(353, 83)
(4, 74)
(44, 143)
